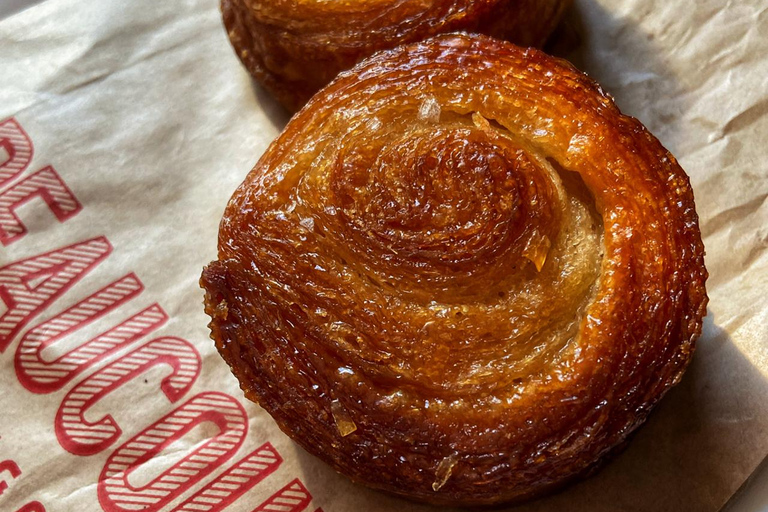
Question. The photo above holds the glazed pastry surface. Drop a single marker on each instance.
(460, 275)
(295, 47)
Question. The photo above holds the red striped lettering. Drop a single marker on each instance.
(29, 286)
(294, 497)
(81, 437)
(18, 150)
(226, 488)
(12, 468)
(46, 184)
(116, 494)
(40, 376)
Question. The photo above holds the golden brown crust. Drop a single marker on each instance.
(460, 274)
(295, 47)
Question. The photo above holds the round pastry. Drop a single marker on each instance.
(295, 47)
(460, 274)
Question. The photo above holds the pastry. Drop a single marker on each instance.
(295, 47)
(460, 275)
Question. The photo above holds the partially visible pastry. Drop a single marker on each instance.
(295, 47)
(460, 274)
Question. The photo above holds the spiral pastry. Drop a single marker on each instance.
(460, 274)
(295, 47)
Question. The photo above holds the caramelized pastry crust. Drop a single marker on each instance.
(460, 274)
(295, 47)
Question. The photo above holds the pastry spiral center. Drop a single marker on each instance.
(438, 208)
(478, 257)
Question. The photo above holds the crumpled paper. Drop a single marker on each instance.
(126, 126)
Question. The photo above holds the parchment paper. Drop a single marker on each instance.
(150, 122)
